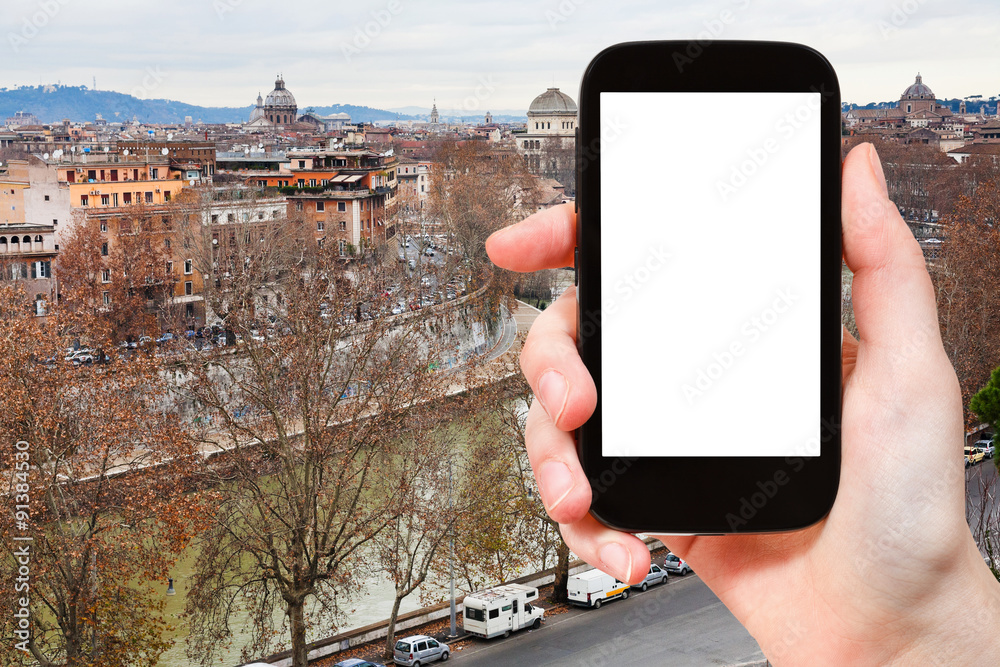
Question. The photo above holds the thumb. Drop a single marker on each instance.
(893, 296)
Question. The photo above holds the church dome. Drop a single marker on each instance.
(280, 96)
(553, 102)
(918, 90)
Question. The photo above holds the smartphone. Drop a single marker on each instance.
(709, 285)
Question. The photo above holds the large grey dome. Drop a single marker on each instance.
(553, 102)
(280, 96)
(918, 90)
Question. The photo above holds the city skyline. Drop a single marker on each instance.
(472, 57)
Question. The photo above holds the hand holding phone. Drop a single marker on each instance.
(857, 585)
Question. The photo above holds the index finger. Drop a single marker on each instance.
(544, 240)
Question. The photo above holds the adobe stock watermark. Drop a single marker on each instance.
(562, 13)
(713, 29)
(484, 89)
(624, 288)
(609, 476)
(365, 34)
(151, 80)
(21, 492)
(764, 490)
(898, 536)
(758, 157)
(223, 7)
(899, 16)
(649, 609)
(611, 130)
(34, 23)
(751, 331)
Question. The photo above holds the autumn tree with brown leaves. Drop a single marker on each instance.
(475, 192)
(116, 266)
(99, 479)
(314, 414)
(966, 280)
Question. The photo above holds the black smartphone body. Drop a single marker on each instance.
(709, 285)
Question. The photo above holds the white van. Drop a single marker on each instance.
(501, 610)
(593, 587)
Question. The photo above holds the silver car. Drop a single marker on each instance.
(656, 575)
(676, 564)
(419, 650)
(986, 447)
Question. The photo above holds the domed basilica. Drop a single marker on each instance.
(549, 143)
(280, 107)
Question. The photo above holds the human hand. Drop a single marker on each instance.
(892, 573)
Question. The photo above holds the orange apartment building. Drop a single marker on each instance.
(347, 196)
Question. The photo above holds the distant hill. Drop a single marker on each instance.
(52, 104)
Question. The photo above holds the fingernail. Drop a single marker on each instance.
(554, 481)
(552, 393)
(877, 168)
(616, 560)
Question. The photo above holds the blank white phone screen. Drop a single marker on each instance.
(710, 274)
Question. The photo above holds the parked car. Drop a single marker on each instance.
(165, 337)
(656, 575)
(419, 650)
(975, 456)
(676, 564)
(74, 355)
(986, 447)
(593, 588)
(357, 662)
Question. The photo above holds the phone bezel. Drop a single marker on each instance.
(710, 495)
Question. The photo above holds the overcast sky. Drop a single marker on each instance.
(467, 54)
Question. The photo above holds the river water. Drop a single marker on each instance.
(374, 605)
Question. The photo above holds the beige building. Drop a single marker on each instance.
(549, 144)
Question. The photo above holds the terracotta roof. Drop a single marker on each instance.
(978, 149)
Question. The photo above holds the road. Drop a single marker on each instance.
(679, 623)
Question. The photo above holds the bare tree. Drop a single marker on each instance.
(99, 473)
(310, 412)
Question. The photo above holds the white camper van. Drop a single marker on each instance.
(593, 587)
(501, 610)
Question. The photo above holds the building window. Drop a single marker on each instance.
(46, 197)
(106, 298)
(84, 200)
(41, 270)
(189, 310)
(166, 195)
(188, 267)
(312, 182)
(166, 243)
(170, 268)
(302, 164)
(127, 198)
(106, 276)
(149, 197)
(154, 173)
(105, 200)
(104, 249)
(104, 226)
(343, 225)
(342, 247)
(230, 217)
(319, 226)
(188, 288)
(341, 206)
(215, 218)
(320, 207)
(298, 206)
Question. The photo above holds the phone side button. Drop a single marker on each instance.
(576, 267)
